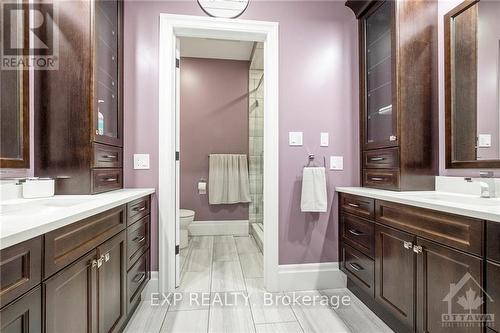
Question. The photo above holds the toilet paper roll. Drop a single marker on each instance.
(202, 188)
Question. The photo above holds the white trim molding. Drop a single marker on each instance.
(311, 277)
(219, 228)
(151, 287)
(172, 27)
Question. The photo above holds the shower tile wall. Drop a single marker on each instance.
(256, 134)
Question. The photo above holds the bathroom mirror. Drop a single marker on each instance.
(472, 85)
(14, 105)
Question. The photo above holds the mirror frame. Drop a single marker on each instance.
(24, 161)
(448, 49)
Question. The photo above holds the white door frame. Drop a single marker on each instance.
(171, 27)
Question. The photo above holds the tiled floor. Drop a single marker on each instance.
(220, 273)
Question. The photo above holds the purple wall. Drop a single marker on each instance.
(214, 119)
(318, 93)
(444, 7)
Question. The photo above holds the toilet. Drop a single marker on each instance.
(186, 217)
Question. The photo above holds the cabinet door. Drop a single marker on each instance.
(379, 110)
(493, 294)
(70, 298)
(448, 282)
(108, 108)
(395, 266)
(112, 285)
(24, 315)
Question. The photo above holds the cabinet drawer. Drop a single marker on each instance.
(24, 315)
(137, 209)
(381, 159)
(66, 244)
(107, 156)
(493, 290)
(493, 241)
(138, 236)
(361, 206)
(137, 278)
(358, 268)
(460, 232)
(382, 179)
(104, 180)
(20, 269)
(358, 233)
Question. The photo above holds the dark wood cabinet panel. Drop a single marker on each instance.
(395, 269)
(65, 245)
(137, 209)
(359, 268)
(137, 278)
(444, 275)
(398, 103)
(24, 315)
(381, 159)
(493, 241)
(358, 233)
(460, 232)
(112, 284)
(81, 103)
(71, 296)
(492, 299)
(360, 206)
(381, 179)
(107, 156)
(138, 238)
(20, 269)
(104, 180)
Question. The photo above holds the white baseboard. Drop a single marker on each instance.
(311, 277)
(216, 228)
(151, 287)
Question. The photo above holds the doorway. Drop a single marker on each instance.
(172, 29)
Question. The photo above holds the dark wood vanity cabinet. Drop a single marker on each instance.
(398, 103)
(79, 116)
(423, 262)
(94, 273)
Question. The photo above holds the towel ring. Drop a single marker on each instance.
(310, 159)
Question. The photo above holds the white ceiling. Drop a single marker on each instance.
(215, 48)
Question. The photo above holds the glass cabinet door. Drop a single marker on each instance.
(107, 116)
(380, 117)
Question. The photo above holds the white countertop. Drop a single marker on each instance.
(22, 219)
(460, 204)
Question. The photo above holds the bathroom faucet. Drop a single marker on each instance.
(487, 182)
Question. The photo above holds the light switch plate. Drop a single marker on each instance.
(141, 161)
(295, 138)
(324, 140)
(484, 141)
(336, 162)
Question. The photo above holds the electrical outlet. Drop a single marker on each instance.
(336, 162)
(141, 161)
(295, 138)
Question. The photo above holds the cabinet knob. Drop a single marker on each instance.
(417, 249)
(408, 245)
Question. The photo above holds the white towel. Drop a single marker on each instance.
(228, 181)
(314, 198)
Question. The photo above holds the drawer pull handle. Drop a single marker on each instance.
(355, 232)
(139, 277)
(353, 205)
(110, 179)
(139, 239)
(356, 267)
(408, 245)
(376, 159)
(137, 209)
(113, 157)
(377, 179)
